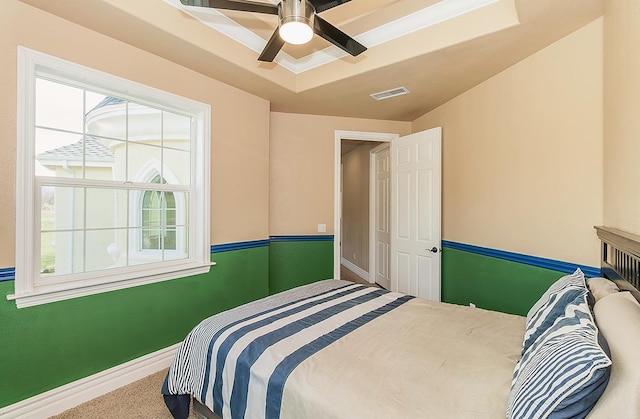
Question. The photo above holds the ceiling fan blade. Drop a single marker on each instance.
(338, 38)
(274, 45)
(243, 6)
(322, 5)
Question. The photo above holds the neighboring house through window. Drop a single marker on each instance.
(158, 219)
(114, 182)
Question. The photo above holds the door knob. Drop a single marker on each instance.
(434, 249)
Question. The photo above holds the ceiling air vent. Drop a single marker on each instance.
(398, 91)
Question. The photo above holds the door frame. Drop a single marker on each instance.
(337, 204)
(373, 209)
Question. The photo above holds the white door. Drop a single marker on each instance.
(381, 215)
(415, 213)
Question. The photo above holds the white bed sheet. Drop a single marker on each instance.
(423, 359)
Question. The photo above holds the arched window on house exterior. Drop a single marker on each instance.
(158, 219)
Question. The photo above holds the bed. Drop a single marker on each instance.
(334, 349)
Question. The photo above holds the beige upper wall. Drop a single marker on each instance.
(522, 154)
(547, 102)
(239, 150)
(621, 109)
(302, 168)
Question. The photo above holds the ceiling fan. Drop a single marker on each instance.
(298, 21)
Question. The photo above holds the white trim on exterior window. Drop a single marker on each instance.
(30, 288)
(150, 170)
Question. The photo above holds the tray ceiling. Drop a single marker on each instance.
(437, 49)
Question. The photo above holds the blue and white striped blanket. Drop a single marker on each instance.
(237, 363)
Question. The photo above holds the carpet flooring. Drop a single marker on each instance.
(138, 400)
(349, 275)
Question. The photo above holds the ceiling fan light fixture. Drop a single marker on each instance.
(297, 33)
(296, 21)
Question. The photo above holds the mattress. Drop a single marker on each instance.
(333, 349)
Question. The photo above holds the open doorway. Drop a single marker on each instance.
(356, 214)
(415, 213)
(352, 202)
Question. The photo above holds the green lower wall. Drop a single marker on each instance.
(492, 283)
(294, 263)
(487, 282)
(46, 346)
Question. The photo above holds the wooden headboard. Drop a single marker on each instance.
(620, 255)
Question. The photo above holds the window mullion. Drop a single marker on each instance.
(163, 223)
(84, 194)
(110, 184)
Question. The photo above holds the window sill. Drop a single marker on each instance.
(39, 297)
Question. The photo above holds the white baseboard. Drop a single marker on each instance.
(70, 395)
(355, 269)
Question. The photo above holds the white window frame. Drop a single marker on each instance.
(29, 289)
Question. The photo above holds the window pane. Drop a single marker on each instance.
(152, 213)
(58, 154)
(61, 253)
(98, 159)
(170, 217)
(106, 116)
(178, 163)
(47, 254)
(114, 168)
(151, 238)
(177, 245)
(151, 217)
(145, 123)
(62, 208)
(100, 249)
(141, 158)
(95, 100)
(169, 238)
(59, 106)
(182, 208)
(176, 131)
(106, 208)
(118, 250)
(47, 210)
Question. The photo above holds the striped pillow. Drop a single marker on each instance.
(564, 372)
(552, 305)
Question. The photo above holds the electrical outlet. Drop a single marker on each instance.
(322, 228)
(472, 305)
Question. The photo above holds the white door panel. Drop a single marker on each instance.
(424, 267)
(415, 214)
(402, 193)
(424, 193)
(402, 272)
